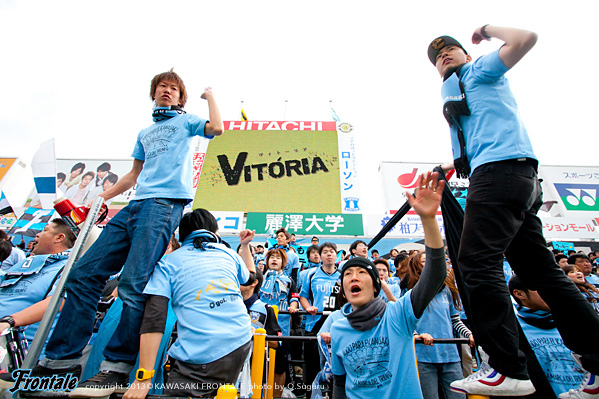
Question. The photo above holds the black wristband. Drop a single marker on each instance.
(482, 32)
(8, 319)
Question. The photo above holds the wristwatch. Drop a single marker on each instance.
(8, 319)
(483, 33)
(143, 374)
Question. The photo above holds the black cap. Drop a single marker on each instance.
(440, 42)
(370, 268)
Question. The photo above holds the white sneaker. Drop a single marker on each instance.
(588, 388)
(487, 381)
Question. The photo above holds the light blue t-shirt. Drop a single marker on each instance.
(436, 321)
(494, 131)
(16, 255)
(592, 279)
(333, 317)
(32, 289)
(554, 357)
(166, 149)
(301, 277)
(203, 286)
(393, 280)
(322, 286)
(292, 262)
(380, 362)
(395, 290)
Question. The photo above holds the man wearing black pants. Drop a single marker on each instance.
(491, 146)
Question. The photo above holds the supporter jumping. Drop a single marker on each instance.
(492, 148)
(134, 240)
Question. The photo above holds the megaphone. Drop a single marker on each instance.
(75, 216)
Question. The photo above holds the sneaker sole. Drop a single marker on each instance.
(44, 394)
(6, 384)
(92, 392)
(491, 392)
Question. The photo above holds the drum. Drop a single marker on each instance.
(13, 349)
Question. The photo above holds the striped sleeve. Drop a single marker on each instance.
(459, 327)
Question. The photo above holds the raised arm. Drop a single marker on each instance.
(426, 203)
(518, 42)
(215, 126)
(125, 182)
(387, 291)
(246, 236)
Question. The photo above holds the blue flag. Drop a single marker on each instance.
(32, 222)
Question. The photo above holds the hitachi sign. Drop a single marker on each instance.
(281, 125)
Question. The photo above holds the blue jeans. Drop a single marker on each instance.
(134, 241)
(431, 374)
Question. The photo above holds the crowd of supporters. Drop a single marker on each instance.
(314, 287)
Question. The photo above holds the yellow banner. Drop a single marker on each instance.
(271, 170)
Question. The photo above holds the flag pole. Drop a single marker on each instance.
(243, 117)
(285, 111)
(334, 115)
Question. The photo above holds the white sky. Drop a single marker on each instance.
(79, 71)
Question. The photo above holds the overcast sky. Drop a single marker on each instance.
(79, 71)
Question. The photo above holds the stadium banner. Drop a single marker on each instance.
(569, 228)
(5, 164)
(570, 191)
(256, 166)
(306, 223)
(350, 190)
(229, 222)
(409, 226)
(399, 177)
(199, 155)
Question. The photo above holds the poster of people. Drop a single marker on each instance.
(81, 180)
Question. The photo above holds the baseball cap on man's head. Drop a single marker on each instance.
(440, 42)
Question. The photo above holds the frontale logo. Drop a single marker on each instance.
(578, 197)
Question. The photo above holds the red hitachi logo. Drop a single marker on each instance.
(281, 125)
